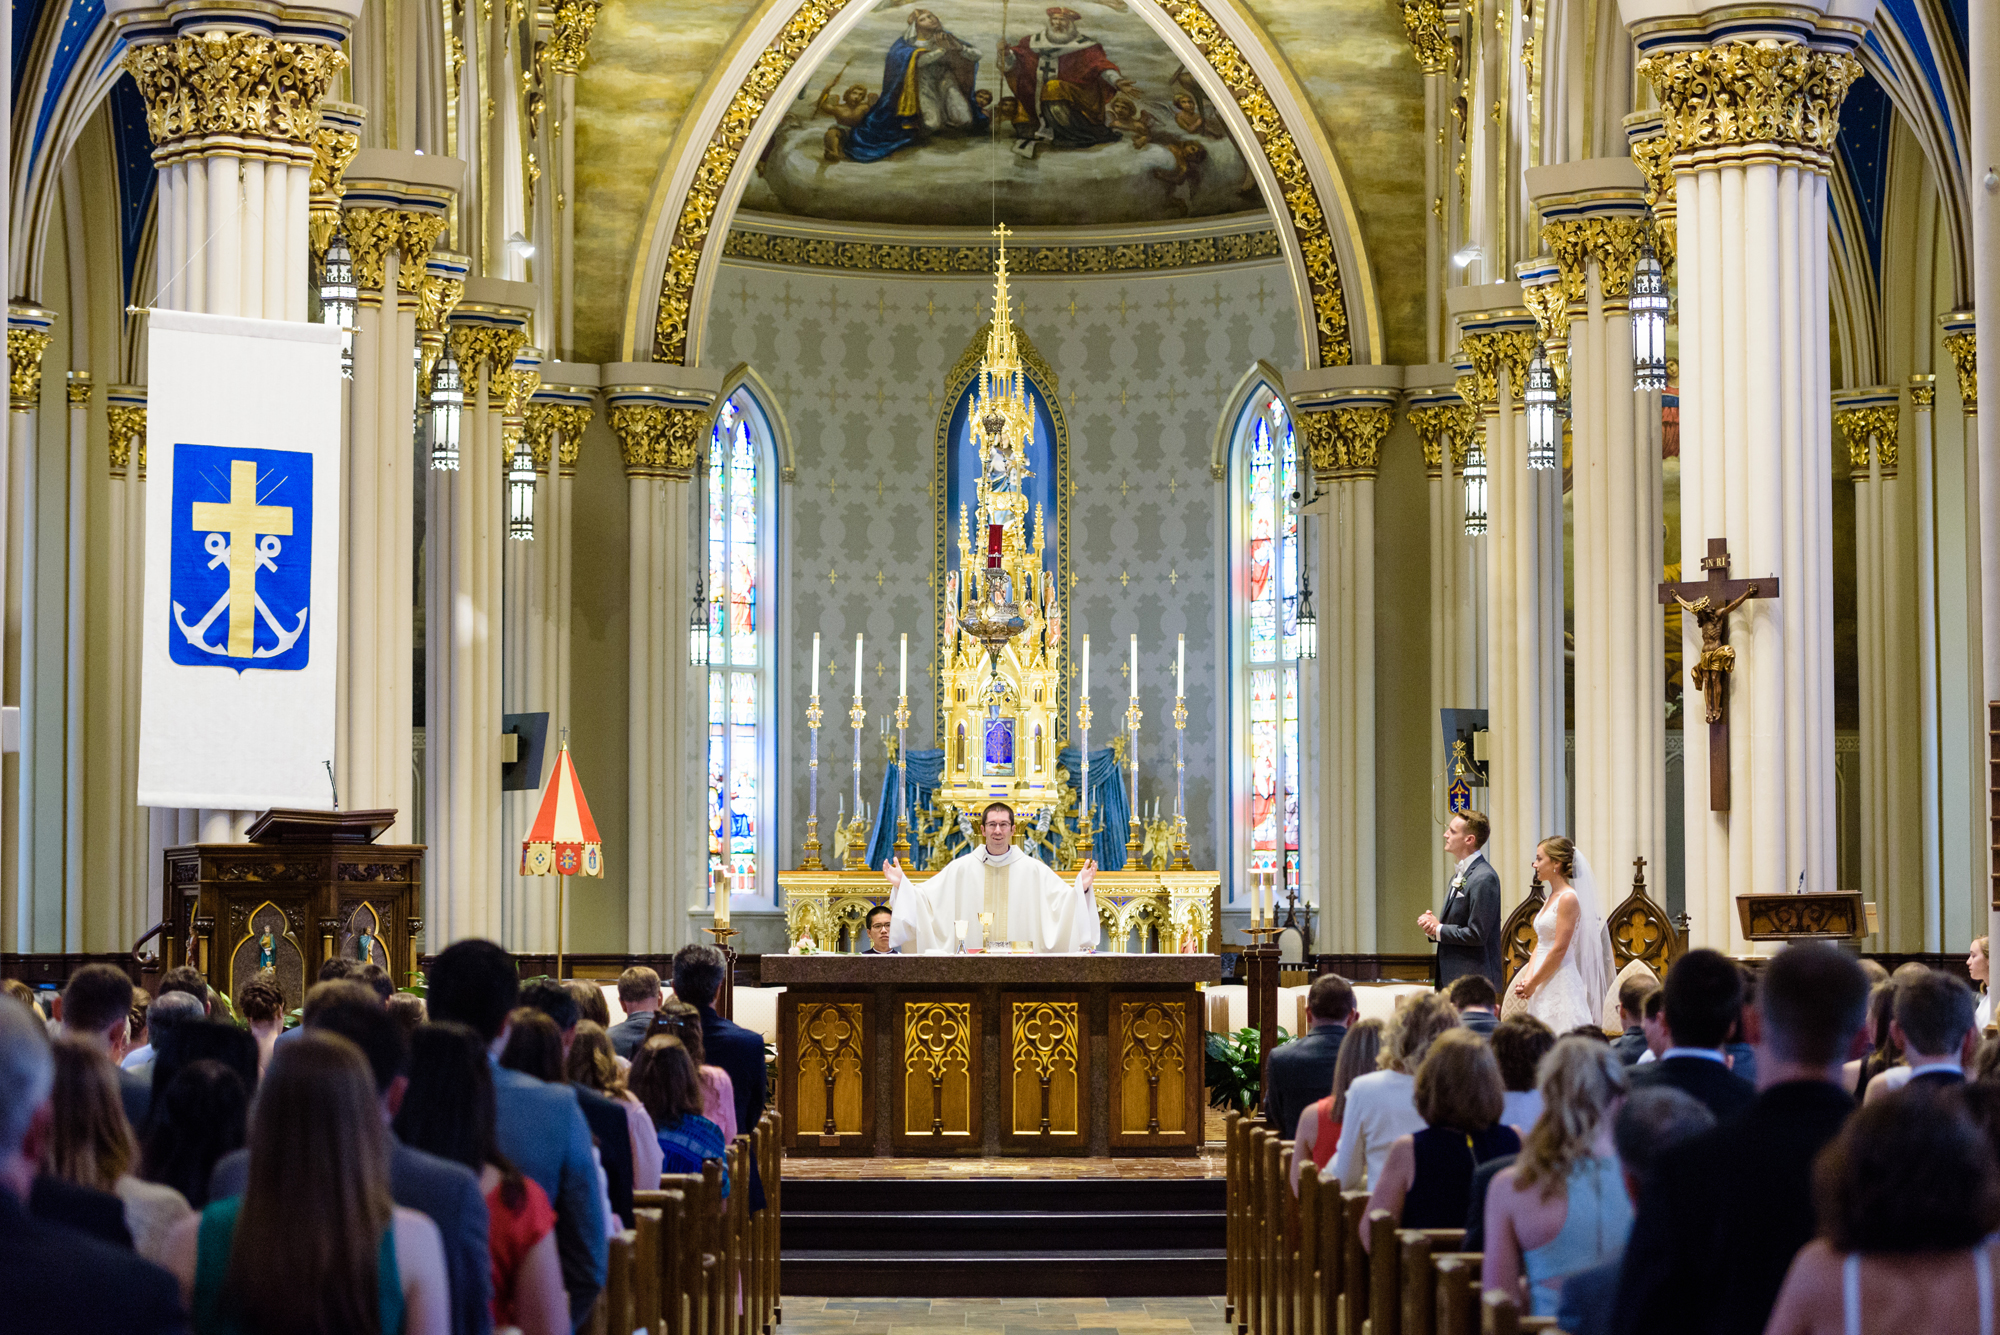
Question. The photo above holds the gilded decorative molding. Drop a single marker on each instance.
(1467, 426)
(522, 382)
(658, 440)
(128, 430)
(1733, 96)
(24, 367)
(571, 420)
(1434, 424)
(874, 257)
(538, 428)
(968, 361)
(1489, 351)
(1963, 347)
(1878, 423)
(373, 233)
(437, 299)
(492, 346)
(1923, 394)
(1346, 442)
(80, 389)
(570, 41)
(421, 233)
(1613, 242)
(1288, 164)
(1423, 24)
(1550, 304)
(233, 83)
(1654, 157)
(334, 148)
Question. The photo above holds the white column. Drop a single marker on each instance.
(124, 855)
(661, 416)
(529, 908)
(1749, 125)
(105, 924)
(28, 923)
(1524, 656)
(463, 609)
(1594, 221)
(1983, 167)
(1344, 413)
(1433, 407)
(1923, 467)
(1960, 338)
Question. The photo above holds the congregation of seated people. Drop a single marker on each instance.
(1812, 1149)
(449, 1163)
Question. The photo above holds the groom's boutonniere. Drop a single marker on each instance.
(1458, 883)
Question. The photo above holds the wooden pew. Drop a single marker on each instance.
(1415, 1247)
(648, 1240)
(1456, 1300)
(1271, 1203)
(1235, 1310)
(1499, 1314)
(1353, 1263)
(1309, 1278)
(1385, 1284)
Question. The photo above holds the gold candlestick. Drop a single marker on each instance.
(1134, 843)
(811, 861)
(902, 717)
(857, 838)
(1180, 862)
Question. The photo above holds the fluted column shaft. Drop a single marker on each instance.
(466, 526)
(661, 416)
(1595, 222)
(1457, 640)
(31, 922)
(119, 855)
(528, 903)
(1923, 467)
(1981, 490)
(1750, 125)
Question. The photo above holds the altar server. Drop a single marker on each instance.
(1025, 900)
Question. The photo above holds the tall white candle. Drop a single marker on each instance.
(903, 667)
(815, 679)
(1180, 666)
(1086, 667)
(857, 667)
(1132, 666)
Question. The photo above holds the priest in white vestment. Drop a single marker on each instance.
(1028, 901)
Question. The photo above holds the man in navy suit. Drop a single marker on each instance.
(1467, 929)
(541, 1127)
(1704, 1009)
(738, 1051)
(448, 1193)
(606, 1119)
(1301, 1072)
(55, 1279)
(639, 994)
(1934, 1023)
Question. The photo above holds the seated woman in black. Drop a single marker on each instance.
(1427, 1178)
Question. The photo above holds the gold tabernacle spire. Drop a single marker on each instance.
(1003, 425)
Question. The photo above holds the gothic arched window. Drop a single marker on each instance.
(741, 759)
(1264, 783)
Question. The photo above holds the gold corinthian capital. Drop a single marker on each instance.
(658, 440)
(237, 84)
(1723, 102)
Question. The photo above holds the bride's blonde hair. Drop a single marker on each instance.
(1561, 852)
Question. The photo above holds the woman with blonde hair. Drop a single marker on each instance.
(1565, 981)
(1319, 1125)
(1427, 1180)
(593, 1064)
(1562, 1206)
(314, 1245)
(1382, 1105)
(91, 1144)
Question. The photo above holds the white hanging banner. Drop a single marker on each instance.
(242, 563)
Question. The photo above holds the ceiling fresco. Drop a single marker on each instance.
(650, 59)
(958, 113)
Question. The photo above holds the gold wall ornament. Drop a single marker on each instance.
(1550, 303)
(233, 83)
(492, 346)
(1736, 95)
(1489, 351)
(1613, 242)
(1923, 393)
(371, 235)
(1653, 155)
(571, 420)
(1963, 347)
(1434, 424)
(438, 298)
(570, 42)
(748, 243)
(657, 440)
(522, 382)
(1423, 24)
(690, 237)
(1467, 426)
(24, 367)
(1346, 442)
(79, 388)
(420, 235)
(128, 429)
(334, 147)
(692, 225)
(1860, 425)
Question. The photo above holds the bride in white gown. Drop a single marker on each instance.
(1565, 981)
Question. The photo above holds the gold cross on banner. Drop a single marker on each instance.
(241, 520)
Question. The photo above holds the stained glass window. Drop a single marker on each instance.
(738, 559)
(1267, 638)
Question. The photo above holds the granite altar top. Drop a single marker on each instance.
(845, 970)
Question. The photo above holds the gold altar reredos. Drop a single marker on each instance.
(999, 691)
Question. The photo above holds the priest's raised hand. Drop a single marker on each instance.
(1028, 903)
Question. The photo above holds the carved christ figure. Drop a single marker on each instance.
(1710, 672)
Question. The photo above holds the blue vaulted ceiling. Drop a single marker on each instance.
(1865, 122)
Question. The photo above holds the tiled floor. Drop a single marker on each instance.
(1001, 1316)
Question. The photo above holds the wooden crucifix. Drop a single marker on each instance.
(1709, 602)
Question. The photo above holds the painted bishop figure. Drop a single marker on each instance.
(1027, 901)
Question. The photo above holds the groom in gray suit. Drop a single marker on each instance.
(1467, 929)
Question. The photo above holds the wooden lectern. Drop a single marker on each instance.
(1821, 915)
(308, 886)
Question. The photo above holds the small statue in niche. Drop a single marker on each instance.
(267, 949)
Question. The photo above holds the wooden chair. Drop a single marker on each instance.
(1517, 934)
(1353, 1263)
(1415, 1247)
(1385, 1284)
(1456, 1301)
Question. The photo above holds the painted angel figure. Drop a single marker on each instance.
(1051, 614)
(950, 610)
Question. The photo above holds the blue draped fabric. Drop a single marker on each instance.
(926, 769)
(1109, 811)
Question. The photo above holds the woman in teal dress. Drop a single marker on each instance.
(314, 1245)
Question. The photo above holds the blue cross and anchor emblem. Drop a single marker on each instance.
(241, 556)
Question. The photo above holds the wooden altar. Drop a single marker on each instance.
(990, 1055)
(308, 886)
(1157, 910)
